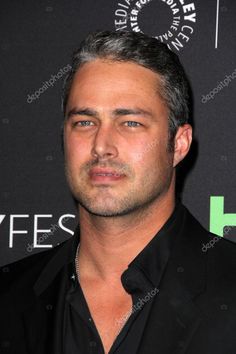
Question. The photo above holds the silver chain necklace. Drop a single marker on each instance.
(76, 262)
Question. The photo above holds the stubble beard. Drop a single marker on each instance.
(102, 201)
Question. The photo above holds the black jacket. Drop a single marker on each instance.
(194, 313)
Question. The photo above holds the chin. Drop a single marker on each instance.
(103, 210)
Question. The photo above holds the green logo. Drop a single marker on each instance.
(218, 219)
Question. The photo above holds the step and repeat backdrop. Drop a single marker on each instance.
(37, 210)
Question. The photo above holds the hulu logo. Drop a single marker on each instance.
(218, 219)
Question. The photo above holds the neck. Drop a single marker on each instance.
(109, 244)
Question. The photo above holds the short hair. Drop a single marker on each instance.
(128, 46)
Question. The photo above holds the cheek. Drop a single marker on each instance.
(137, 151)
(76, 151)
(145, 152)
(140, 159)
(151, 157)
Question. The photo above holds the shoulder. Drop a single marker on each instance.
(195, 231)
(218, 253)
(221, 263)
(27, 269)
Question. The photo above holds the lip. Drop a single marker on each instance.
(104, 175)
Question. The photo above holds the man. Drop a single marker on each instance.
(134, 278)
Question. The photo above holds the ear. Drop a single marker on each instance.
(183, 140)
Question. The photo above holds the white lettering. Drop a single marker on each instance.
(177, 44)
(12, 231)
(190, 28)
(120, 22)
(189, 7)
(60, 223)
(183, 36)
(36, 230)
(191, 17)
(121, 13)
(2, 217)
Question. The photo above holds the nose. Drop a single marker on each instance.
(104, 146)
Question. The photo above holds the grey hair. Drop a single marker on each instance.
(145, 51)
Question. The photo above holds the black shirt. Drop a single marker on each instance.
(141, 280)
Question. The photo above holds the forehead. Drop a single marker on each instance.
(114, 83)
(105, 72)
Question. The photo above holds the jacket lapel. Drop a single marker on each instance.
(175, 316)
(43, 311)
(172, 322)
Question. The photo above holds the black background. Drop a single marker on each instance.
(37, 40)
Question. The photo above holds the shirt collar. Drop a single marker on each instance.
(146, 269)
(143, 273)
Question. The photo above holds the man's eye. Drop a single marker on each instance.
(83, 123)
(131, 123)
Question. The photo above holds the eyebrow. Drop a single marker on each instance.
(81, 112)
(117, 112)
(134, 111)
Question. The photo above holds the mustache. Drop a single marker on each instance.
(120, 168)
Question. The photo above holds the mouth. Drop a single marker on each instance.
(105, 175)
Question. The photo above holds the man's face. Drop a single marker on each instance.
(116, 138)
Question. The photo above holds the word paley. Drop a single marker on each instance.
(177, 33)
